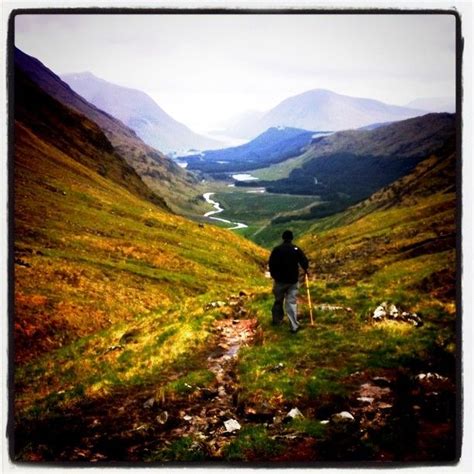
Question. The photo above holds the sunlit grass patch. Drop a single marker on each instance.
(408, 272)
(148, 350)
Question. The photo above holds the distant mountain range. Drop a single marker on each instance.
(273, 146)
(140, 112)
(321, 109)
(160, 173)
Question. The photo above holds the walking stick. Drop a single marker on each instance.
(309, 299)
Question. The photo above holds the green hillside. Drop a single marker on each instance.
(95, 250)
(398, 247)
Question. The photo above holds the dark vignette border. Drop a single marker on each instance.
(235, 11)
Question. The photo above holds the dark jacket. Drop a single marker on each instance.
(284, 261)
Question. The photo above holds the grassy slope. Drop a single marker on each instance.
(95, 259)
(400, 249)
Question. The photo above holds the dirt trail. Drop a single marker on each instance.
(206, 417)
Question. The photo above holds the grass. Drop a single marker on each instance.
(152, 349)
(280, 170)
(253, 443)
(358, 265)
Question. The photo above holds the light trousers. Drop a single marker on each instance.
(285, 296)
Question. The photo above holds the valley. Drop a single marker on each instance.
(141, 325)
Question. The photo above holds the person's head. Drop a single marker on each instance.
(287, 236)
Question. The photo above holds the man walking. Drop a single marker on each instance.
(284, 263)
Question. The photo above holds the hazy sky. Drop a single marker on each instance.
(203, 69)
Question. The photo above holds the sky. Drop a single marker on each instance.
(205, 69)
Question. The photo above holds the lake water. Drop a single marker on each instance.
(244, 177)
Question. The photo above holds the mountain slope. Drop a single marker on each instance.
(403, 236)
(349, 166)
(93, 245)
(434, 104)
(275, 145)
(321, 109)
(161, 174)
(138, 111)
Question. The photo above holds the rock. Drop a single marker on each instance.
(342, 417)
(232, 425)
(294, 413)
(393, 311)
(368, 400)
(149, 403)
(430, 376)
(162, 418)
(329, 307)
(324, 422)
(412, 318)
(379, 312)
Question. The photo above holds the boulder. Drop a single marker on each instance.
(342, 417)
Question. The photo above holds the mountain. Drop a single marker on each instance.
(349, 166)
(244, 124)
(434, 104)
(409, 227)
(138, 111)
(160, 173)
(273, 146)
(321, 109)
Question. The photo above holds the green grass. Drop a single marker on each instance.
(253, 443)
(317, 360)
(259, 207)
(185, 449)
(280, 170)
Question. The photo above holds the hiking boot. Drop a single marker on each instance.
(294, 331)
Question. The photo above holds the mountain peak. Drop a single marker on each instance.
(139, 111)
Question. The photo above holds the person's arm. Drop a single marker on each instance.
(272, 262)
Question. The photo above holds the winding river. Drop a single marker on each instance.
(218, 208)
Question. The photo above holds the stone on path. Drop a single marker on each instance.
(232, 425)
(342, 417)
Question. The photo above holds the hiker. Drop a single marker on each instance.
(284, 263)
